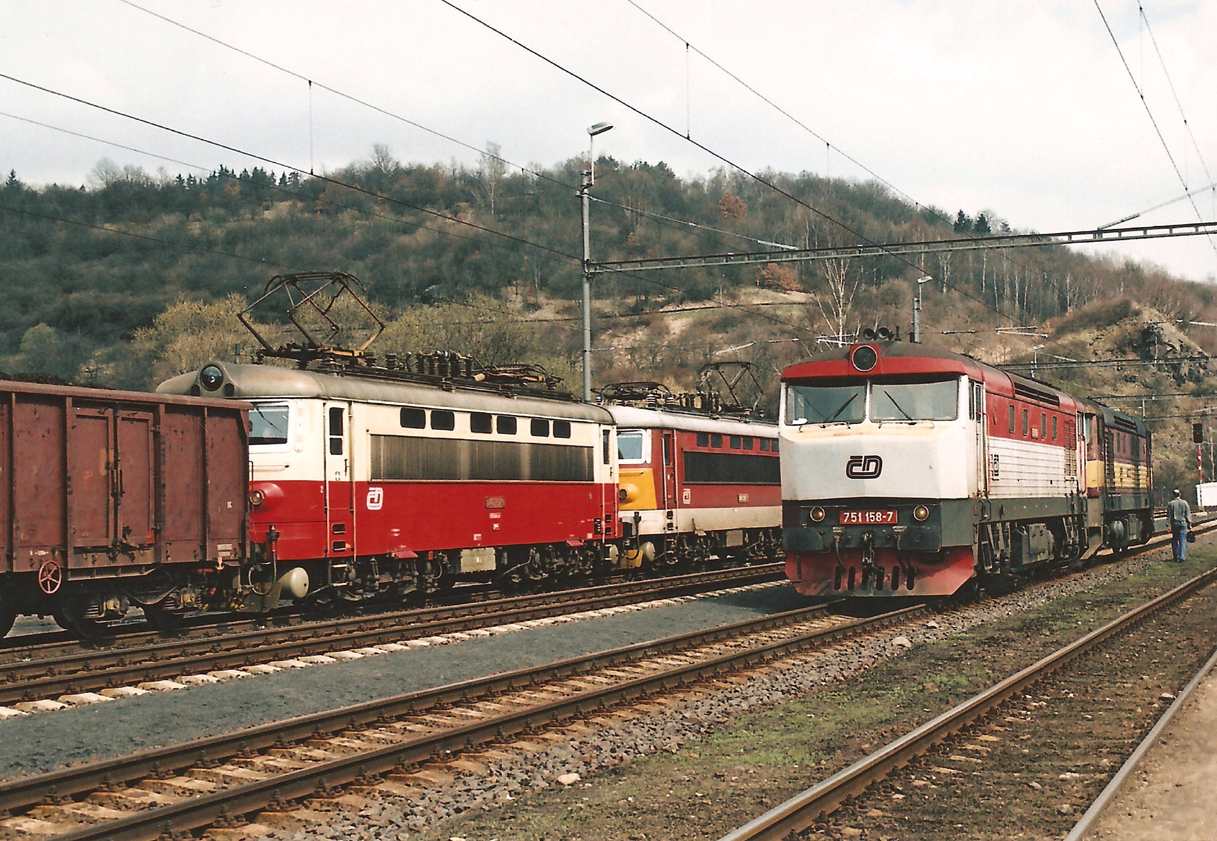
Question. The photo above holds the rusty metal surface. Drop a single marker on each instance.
(97, 482)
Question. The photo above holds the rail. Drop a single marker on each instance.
(199, 811)
(804, 809)
(96, 669)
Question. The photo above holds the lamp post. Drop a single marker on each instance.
(917, 309)
(589, 180)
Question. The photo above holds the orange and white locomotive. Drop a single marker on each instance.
(695, 486)
(907, 471)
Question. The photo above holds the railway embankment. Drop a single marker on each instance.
(720, 758)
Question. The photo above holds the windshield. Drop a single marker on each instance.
(825, 403)
(914, 401)
(268, 424)
(629, 445)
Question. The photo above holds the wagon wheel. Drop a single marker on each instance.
(69, 615)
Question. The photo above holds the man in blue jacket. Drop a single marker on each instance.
(1179, 515)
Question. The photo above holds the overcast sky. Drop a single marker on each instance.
(1019, 107)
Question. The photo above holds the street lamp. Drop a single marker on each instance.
(592, 131)
(589, 178)
(917, 309)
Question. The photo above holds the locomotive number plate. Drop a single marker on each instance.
(868, 518)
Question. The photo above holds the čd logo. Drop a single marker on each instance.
(863, 467)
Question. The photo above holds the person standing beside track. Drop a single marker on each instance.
(1179, 515)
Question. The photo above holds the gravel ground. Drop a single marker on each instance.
(1032, 767)
(40, 743)
(670, 730)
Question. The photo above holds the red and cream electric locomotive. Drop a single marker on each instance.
(382, 480)
(908, 471)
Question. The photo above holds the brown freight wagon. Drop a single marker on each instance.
(110, 499)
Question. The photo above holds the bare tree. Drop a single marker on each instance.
(383, 168)
(491, 172)
(836, 301)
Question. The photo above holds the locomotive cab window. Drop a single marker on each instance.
(933, 400)
(716, 440)
(268, 424)
(480, 422)
(825, 403)
(764, 445)
(505, 425)
(562, 429)
(443, 419)
(630, 446)
(412, 418)
(735, 442)
(703, 439)
(336, 414)
(539, 427)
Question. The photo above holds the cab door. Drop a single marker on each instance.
(339, 491)
(979, 416)
(667, 470)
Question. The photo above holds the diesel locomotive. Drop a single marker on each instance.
(915, 472)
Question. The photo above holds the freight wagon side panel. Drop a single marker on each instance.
(226, 455)
(38, 470)
(183, 485)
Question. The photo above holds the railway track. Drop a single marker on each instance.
(184, 787)
(955, 749)
(46, 673)
(1107, 796)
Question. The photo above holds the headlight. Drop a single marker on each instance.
(256, 498)
(211, 377)
(817, 514)
(921, 513)
(864, 358)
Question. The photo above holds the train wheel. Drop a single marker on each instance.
(86, 629)
(165, 621)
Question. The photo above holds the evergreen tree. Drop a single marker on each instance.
(12, 183)
(982, 224)
(963, 223)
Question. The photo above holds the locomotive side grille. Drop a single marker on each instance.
(438, 459)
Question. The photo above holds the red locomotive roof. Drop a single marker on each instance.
(909, 360)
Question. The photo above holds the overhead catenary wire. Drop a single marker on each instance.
(1149, 113)
(227, 175)
(1175, 93)
(702, 146)
(771, 103)
(486, 153)
(395, 219)
(283, 165)
(48, 217)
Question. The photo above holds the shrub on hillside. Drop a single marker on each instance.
(1097, 315)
